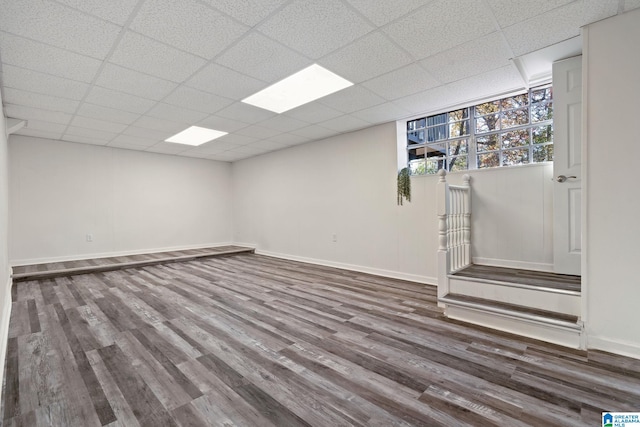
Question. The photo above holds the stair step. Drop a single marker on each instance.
(513, 310)
(550, 282)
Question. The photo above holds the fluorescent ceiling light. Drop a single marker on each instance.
(300, 88)
(195, 136)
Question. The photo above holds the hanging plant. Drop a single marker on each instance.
(404, 185)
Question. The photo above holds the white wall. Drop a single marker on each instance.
(129, 201)
(291, 202)
(5, 270)
(613, 199)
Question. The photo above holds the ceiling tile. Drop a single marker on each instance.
(34, 81)
(133, 141)
(345, 123)
(213, 147)
(194, 27)
(257, 149)
(247, 149)
(402, 82)
(118, 100)
(382, 113)
(259, 132)
(368, 57)
(223, 81)
(288, 139)
(352, 99)
(47, 59)
(150, 134)
(245, 112)
(262, 58)
(39, 133)
(150, 56)
(60, 26)
(226, 156)
(89, 133)
(383, 12)
(231, 140)
(167, 148)
(509, 12)
(113, 10)
(267, 144)
(485, 85)
(427, 101)
(546, 29)
(475, 57)
(194, 154)
(125, 146)
(313, 112)
(451, 22)
(315, 28)
(596, 10)
(85, 122)
(249, 12)
(197, 100)
(314, 132)
(176, 114)
(222, 123)
(164, 125)
(631, 4)
(31, 113)
(283, 123)
(109, 114)
(133, 82)
(54, 128)
(84, 139)
(37, 100)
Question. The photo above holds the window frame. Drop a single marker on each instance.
(472, 135)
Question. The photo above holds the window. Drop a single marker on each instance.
(510, 131)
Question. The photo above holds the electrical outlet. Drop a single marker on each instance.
(89, 237)
(334, 238)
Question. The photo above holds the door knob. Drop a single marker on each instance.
(562, 178)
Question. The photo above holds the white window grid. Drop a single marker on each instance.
(435, 131)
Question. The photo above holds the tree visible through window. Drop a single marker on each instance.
(506, 132)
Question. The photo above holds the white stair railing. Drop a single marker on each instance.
(454, 229)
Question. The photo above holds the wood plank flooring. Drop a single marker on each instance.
(69, 268)
(523, 277)
(249, 340)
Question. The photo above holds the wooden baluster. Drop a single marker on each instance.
(467, 220)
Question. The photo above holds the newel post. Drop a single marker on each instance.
(442, 194)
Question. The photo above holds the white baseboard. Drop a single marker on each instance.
(612, 346)
(362, 269)
(20, 262)
(4, 329)
(524, 265)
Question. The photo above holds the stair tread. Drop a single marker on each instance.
(511, 307)
(523, 277)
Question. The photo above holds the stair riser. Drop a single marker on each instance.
(549, 333)
(540, 299)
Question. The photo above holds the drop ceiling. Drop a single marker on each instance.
(131, 73)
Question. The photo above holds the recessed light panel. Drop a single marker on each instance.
(195, 136)
(300, 88)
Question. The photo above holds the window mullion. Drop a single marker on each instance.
(472, 161)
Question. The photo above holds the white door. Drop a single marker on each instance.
(567, 162)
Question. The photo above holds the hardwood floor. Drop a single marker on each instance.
(249, 340)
